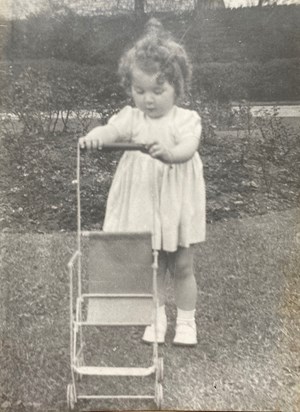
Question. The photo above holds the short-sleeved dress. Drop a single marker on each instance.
(149, 195)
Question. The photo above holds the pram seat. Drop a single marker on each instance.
(120, 277)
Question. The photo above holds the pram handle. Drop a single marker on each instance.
(122, 146)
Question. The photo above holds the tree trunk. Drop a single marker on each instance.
(203, 5)
(139, 7)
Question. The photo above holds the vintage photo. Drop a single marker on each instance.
(150, 221)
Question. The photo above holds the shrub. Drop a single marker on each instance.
(237, 54)
(43, 95)
(270, 142)
(243, 35)
(272, 81)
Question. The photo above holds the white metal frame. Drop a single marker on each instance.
(76, 329)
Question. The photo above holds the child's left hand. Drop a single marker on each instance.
(159, 151)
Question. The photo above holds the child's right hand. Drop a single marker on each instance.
(91, 141)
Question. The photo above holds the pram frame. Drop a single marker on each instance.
(78, 370)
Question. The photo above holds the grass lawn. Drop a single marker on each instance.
(248, 321)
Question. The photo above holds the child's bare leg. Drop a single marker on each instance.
(161, 277)
(185, 289)
(185, 286)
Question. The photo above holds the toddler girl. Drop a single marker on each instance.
(161, 191)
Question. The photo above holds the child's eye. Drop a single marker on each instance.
(138, 91)
(158, 91)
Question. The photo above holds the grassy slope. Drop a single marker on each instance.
(248, 320)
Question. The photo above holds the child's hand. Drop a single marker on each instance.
(91, 141)
(159, 151)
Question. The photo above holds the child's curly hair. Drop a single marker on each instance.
(157, 52)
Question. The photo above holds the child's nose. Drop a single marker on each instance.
(148, 97)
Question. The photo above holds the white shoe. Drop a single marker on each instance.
(149, 334)
(186, 333)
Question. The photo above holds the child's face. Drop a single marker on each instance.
(153, 98)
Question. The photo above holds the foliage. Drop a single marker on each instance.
(251, 81)
(64, 90)
(214, 115)
(56, 97)
(236, 54)
(52, 100)
(82, 39)
(37, 173)
(45, 95)
(64, 100)
(274, 147)
(269, 142)
(243, 35)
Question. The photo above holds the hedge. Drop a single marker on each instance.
(275, 80)
(243, 35)
(73, 86)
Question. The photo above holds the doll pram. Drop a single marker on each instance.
(122, 291)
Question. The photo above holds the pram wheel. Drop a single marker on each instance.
(71, 400)
(160, 370)
(158, 395)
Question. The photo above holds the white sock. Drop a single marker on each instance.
(161, 310)
(186, 314)
(161, 313)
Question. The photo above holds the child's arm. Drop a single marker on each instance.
(180, 153)
(98, 136)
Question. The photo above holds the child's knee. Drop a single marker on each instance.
(183, 269)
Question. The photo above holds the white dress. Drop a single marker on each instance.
(149, 195)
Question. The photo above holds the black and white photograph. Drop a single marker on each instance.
(150, 205)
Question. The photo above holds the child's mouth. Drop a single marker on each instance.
(151, 111)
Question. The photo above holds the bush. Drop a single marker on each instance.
(43, 92)
(268, 142)
(236, 54)
(271, 81)
(243, 35)
(44, 95)
(81, 39)
(257, 34)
